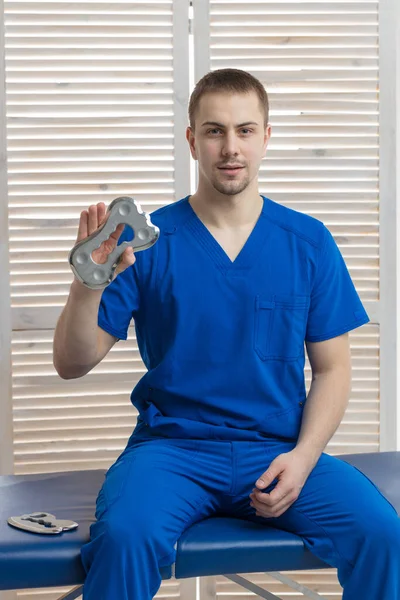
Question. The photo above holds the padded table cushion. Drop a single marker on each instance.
(213, 546)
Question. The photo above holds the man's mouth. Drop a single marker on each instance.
(231, 170)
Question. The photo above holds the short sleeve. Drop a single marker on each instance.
(335, 306)
(120, 301)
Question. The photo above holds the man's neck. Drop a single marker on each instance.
(227, 212)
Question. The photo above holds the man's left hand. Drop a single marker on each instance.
(292, 470)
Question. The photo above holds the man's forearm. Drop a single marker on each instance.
(324, 410)
(75, 337)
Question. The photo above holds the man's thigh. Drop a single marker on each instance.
(150, 495)
(153, 490)
(338, 508)
(337, 496)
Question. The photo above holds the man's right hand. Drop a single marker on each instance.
(90, 220)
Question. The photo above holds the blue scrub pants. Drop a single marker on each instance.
(158, 487)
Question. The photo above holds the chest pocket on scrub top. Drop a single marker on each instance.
(280, 325)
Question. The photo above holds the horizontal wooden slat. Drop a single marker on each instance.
(103, 134)
(90, 20)
(222, 31)
(146, 8)
(95, 188)
(303, 40)
(65, 64)
(83, 29)
(286, 52)
(288, 7)
(121, 156)
(75, 168)
(254, 19)
(138, 43)
(169, 590)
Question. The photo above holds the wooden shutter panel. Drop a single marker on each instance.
(319, 64)
(96, 108)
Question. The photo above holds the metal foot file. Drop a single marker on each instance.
(123, 210)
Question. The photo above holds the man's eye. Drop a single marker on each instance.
(244, 129)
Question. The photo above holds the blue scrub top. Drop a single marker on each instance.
(223, 341)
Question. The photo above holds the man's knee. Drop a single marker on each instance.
(381, 531)
(137, 534)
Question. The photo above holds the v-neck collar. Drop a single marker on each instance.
(247, 255)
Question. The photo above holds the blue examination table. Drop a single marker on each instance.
(215, 546)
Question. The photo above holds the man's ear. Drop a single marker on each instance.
(191, 140)
(267, 136)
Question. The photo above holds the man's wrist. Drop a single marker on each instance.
(310, 452)
(79, 288)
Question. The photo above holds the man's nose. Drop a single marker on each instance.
(231, 144)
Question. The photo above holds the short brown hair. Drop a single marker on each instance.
(228, 80)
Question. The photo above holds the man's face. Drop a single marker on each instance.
(230, 140)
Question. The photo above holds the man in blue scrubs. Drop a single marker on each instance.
(224, 304)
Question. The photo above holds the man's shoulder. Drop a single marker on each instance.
(169, 215)
(300, 224)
